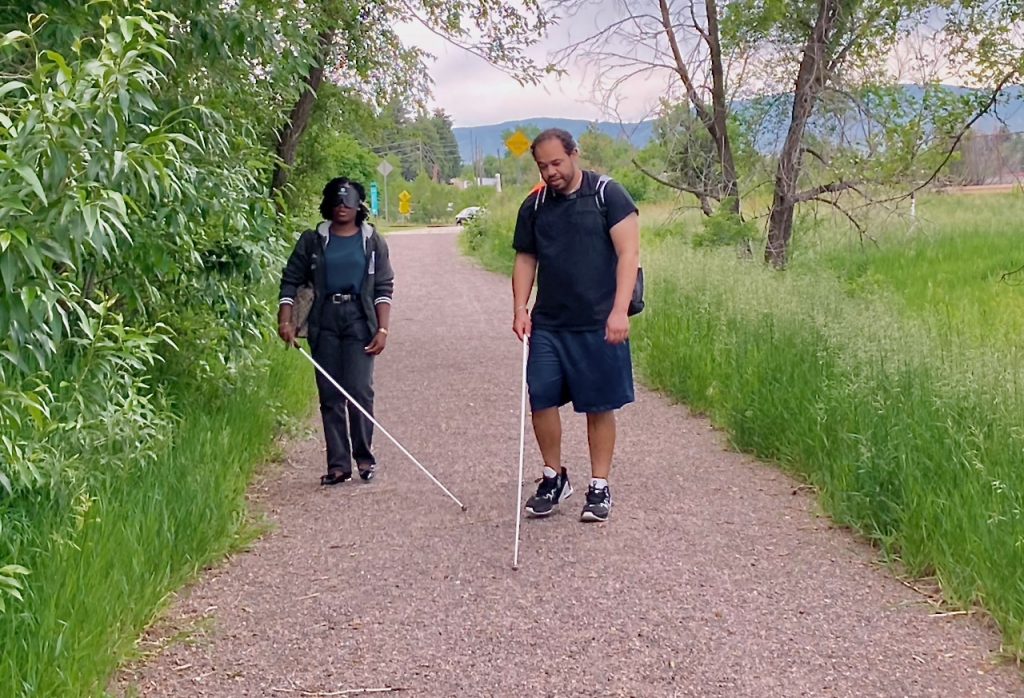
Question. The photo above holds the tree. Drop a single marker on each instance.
(422, 142)
(887, 135)
(683, 40)
(817, 68)
(449, 161)
(601, 152)
(356, 43)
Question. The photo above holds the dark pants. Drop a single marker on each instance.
(343, 335)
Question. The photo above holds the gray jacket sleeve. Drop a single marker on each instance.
(384, 281)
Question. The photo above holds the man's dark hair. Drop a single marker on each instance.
(568, 142)
(328, 203)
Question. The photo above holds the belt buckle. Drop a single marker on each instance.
(341, 298)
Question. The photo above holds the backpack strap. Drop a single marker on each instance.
(541, 190)
(602, 182)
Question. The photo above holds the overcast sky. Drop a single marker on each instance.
(475, 93)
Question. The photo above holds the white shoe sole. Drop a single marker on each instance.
(566, 493)
(589, 517)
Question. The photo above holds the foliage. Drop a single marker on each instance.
(138, 247)
(488, 238)
(724, 229)
(141, 533)
(816, 104)
(136, 235)
(602, 153)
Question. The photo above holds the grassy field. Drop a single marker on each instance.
(886, 374)
(141, 536)
(950, 267)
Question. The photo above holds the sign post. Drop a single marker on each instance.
(385, 169)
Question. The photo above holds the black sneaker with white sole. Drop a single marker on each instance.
(550, 492)
(599, 504)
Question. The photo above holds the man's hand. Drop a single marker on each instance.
(521, 324)
(377, 344)
(616, 330)
(287, 332)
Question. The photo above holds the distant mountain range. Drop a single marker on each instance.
(487, 140)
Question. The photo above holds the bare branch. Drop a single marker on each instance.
(849, 216)
(681, 69)
(570, 50)
(703, 197)
(818, 156)
(696, 26)
(523, 77)
(830, 188)
(959, 137)
(1006, 275)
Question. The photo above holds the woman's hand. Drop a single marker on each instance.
(377, 344)
(286, 331)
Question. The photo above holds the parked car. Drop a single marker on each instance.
(468, 214)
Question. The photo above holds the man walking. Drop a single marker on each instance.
(578, 236)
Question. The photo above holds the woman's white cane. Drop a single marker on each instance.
(522, 445)
(369, 416)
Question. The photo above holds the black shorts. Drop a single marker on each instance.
(578, 366)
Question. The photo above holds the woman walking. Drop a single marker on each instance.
(345, 261)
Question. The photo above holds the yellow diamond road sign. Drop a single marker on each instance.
(405, 196)
(403, 207)
(518, 143)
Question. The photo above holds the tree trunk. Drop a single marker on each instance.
(719, 129)
(715, 119)
(809, 83)
(289, 135)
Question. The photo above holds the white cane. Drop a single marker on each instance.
(377, 424)
(522, 445)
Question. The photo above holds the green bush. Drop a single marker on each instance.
(136, 244)
(724, 229)
(138, 534)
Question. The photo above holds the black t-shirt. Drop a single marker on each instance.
(576, 259)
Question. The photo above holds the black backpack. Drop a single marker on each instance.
(636, 303)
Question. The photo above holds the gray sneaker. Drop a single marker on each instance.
(599, 504)
(550, 492)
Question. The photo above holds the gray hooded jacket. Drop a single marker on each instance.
(304, 267)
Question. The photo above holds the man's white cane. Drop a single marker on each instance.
(369, 416)
(522, 445)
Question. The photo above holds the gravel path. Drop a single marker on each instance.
(715, 577)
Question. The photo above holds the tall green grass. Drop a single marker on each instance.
(887, 376)
(916, 446)
(143, 534)
(949, 266)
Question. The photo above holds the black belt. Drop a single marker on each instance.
(342, 297)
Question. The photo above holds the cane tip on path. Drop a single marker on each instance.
(465, 508)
